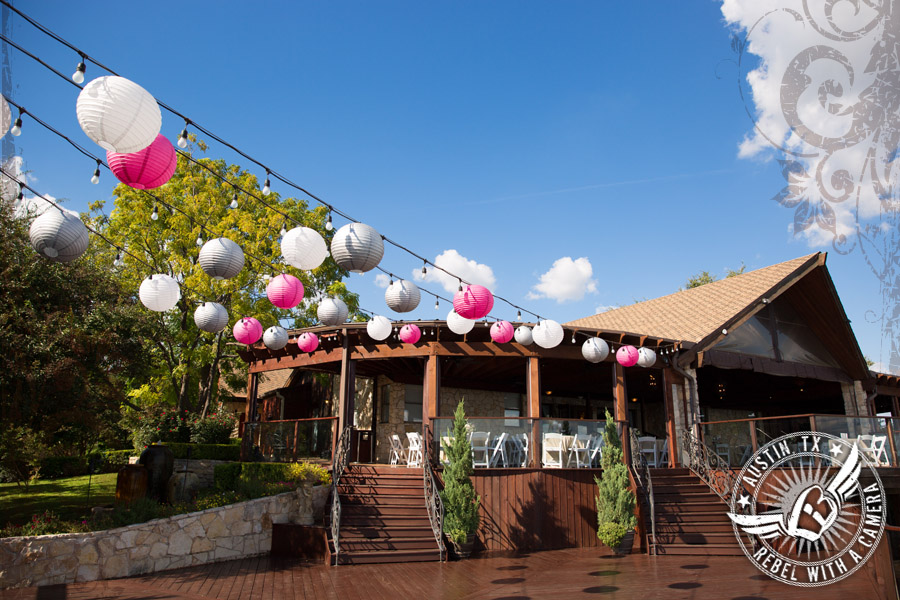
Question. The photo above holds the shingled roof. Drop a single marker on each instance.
(692, 315)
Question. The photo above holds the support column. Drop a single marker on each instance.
(620, 393)
(533, 389)
(669, 403)
(854, 398)
(347, 391)
(431, 386)
(251, 416)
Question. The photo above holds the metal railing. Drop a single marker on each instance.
(341, 460)
(641, 471)
(712, 468)
(291, 440)
(432, 496)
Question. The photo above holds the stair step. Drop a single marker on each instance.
(382, 556)
(384, 521)
(379, 481)
(698, 550)
(719, 516)
(686, 488)
(384, 510)
(685, 507)
(387, 545)
(382, 490)
(356, 470)
(379, 532)
(685, 497)
(696, 538)
(654, 471)
(695, 527)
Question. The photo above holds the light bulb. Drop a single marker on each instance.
(519, 316)
(16, 129)
(234, 202)
(118, 261)
(328, 224)
(96, 178)
(155, 214)
(78, 75)
(266, 190)
(436, 305)
(424, 270)
(573, 338)
(283, 231)
(199, 240)
(183, 139)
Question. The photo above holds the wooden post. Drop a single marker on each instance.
(670, 420)
(431, 387)
(250, 422)
(533, 390)
(347, 394)
(621, 396)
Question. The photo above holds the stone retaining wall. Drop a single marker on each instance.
(224, 533)
(203, 469)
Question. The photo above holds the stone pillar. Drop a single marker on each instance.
(854, 398)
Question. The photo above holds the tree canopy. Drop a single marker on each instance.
(704, 277)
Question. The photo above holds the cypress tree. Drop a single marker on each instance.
(460, 501)
(615, 500)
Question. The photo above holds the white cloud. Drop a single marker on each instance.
(382, 280)
(566, 280)
(460, 266)
(603, 308)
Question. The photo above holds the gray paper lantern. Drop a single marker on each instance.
(58, 235)
(595, 350)
(523, 335)
(118, 114)
(548, 334)
(221, 258)
(459, 325)
(303, 248)
(275, 338)
(379, 328)
(646, 357)
(402, 296)
(332, 311)
(211, 317)
(357, 247)
(159, 293)
(5, 116)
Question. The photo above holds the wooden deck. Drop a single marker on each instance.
(578, 572)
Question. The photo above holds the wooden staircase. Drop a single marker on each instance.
(384, 517)
(690, 518)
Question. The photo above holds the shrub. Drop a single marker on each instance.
(214, 429)
(160, 424)
(460, 501)
(44, 524)
(56, 467)
(611, 534)
(309, 472)
(214, 498)
(116, 459)
(225, 477)
(206, 451)
(21, 453)
(615, 500)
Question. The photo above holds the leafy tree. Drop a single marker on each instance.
(71, 339)
(615, 500)
(459, 498)
(704, 277)
(186, 362)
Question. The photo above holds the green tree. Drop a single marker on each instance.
(459, 498)
(704, 277)
(187, 362)
(72, 341)
(615, 500)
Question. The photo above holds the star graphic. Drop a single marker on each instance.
(744, 501)
(835, 448)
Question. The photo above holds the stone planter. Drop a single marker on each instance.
(311, 503)
(625, 545)
(321, 494)
(183, 487)
(464, 549)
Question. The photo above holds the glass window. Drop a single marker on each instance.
(412, 406)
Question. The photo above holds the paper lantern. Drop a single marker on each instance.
(646, 357)
(332, 311)
(118, 114)
(595, 350)
(159, 293)
(502, 332)
(211, 317)
(473, 302)
(307, 342)
(548, 334)
(221, 258)
(627, 356)
(275, 338)
(58, 235)
(247, 330)
(410, 334)
(357, 247)
(524, 335)
(145, 169)
(402, 296)
(459, 325)
(379, 328)
(303, 248)
(5, 116)
(285, 291)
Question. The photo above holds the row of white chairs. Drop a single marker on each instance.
(561, 450)
(411, 455)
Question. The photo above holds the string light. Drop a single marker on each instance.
(16, 129)
(425, 269)
(437, 305)
(328, 224)
(234, 202)
(155, 214)
(266, 187)
(183, 137)
(118, 262)
(78, 75)
(283, 231)
(96, 178)
(199, 239)
(519, 316)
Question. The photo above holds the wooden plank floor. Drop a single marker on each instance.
(549, 574)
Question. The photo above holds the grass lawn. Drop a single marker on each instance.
(66, 497)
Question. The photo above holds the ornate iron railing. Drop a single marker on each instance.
(432, 495)
(340, 462)
(641, 471)
(714, 470)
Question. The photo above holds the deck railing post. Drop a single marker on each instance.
(890, 429)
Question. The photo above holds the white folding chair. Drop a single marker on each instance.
(398, 452)
(647, 446)
(480, 449)
(498, 456)
(522, 441)
(552, 450)
(662, 452)
(597, 449)
(581, 451)
(872, 446)
(414, 454)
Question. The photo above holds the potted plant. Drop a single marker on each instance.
(615, 500)
(460, 501)
(312, 491)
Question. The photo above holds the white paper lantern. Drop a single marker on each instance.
(646, 357)
(275, 338)
(304, 248)
(402, 296)
(458, 324)
(524, 335)
(548, 334)
(221, 258)
(211, 317)
(118, 114)
(332, 311)
(5, 116)
(379, 328)
(357, 247)
(159, 293)
(58, 235)
(595, 350)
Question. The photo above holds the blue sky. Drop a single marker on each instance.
(515, 133)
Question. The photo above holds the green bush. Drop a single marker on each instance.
(214, 429)
(214, 498)
(56, 467)
(113, 460)
(225, 477)
(460, 501)
(159, 424)
(21, 453)
(206, 451)
(611, 534)
(44, 524)
(615, 500)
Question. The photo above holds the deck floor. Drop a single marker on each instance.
(548, 574)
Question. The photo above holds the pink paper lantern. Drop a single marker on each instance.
(410, 334)
(247, 331)
(474, 302)
(285, 291)
(308, 342)
(627, 356)
(146, 169)
(502, 332)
